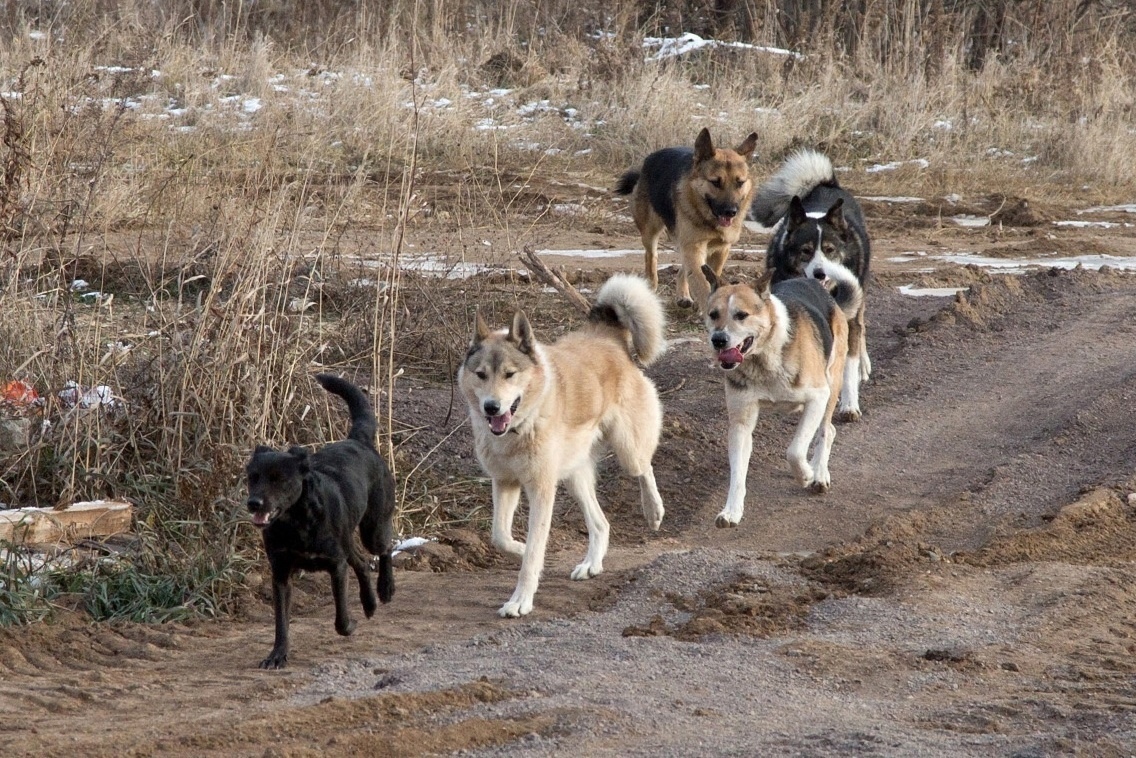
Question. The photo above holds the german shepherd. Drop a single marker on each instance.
(821, 235)
(539, 412)
(780, 344)
(700, 197)
(308, 508)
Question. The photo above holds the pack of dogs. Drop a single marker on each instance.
(542, 413)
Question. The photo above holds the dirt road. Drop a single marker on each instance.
(966, 588)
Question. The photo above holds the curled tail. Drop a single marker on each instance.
(363, 423)
(627, 183)
(628, 302)
(802, 172)
(849, 296)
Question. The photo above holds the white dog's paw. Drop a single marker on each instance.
(653, 513)
(802, 471)
(516, 608)
(821, 483)
(726, 519)
(587, 569)
(512, 547)
(847, 415)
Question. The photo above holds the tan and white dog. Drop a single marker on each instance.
(539, 412)
(783, 345)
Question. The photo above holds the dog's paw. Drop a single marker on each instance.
(847, 416)
(818, 487)
(370, 605)
(587, 570)
(653, 513)
(516, 608)
(277, 659)
(512, 547)
(803, 472)
(345, 628)
(685, 302)
(726, 520)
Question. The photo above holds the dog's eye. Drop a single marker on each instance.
(717, 183)
(742, 182)
(741, 316)
(828, 249)
(510, 374)
(713, 315)
(482, 374)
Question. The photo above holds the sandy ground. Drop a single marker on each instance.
(966, 588)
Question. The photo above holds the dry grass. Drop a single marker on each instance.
(242, 177)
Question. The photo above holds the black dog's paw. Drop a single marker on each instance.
(370, 603)
(277, 659)
(344, 628)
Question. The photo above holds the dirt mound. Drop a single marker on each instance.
(1098, 529)
(748, 606)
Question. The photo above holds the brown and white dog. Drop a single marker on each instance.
(540, 411)
(701, 197)
(783, 345)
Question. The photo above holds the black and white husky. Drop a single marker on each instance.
(820, 234)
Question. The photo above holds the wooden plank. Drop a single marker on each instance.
(33, 526)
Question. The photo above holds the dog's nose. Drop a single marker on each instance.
(729, 211)
(492, 407)
(255, 503)
(819, 274)
(719, 340)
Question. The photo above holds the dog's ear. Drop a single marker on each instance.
(748, 146)
(835, 216)
(703, 146)
(522, 334)
(300, 455)
(797, 215)
(262, 449)
(711, 277)
(763, 283)
(480, 329)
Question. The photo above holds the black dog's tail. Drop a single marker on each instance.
(627, 183)
(363, 423)
(802, 172)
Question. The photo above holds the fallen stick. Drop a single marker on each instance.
(555, 279)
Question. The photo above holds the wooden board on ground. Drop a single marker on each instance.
(33, 526)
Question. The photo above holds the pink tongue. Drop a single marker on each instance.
(725, 220)
(732, 355)
(500, 423)
(260, 518)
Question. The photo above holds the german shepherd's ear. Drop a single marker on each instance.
(797, 215)
(522, 334)
(711, 277)
(262, 449)
(703, 146)
(835, 216)
(748, 146)
(480, 330)
(762, 285)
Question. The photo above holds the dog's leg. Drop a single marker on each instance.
(743, 418)
(541, 497)
(362, 569)
(695, 290)
(811, 418)
(716, 257)
(650, 230)
(506, 496)
(282, 608)
(344, 624)
(633, 438)
(857, 367)
(822, 449)
(581, 485)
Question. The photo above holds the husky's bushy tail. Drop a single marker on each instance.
(849, 296)
(363, 423)
(629, 302)
(802, 172)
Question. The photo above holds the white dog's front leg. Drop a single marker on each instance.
(506, 496)
(849, 408)
(532, 562)
(740, 442)
(798, 451)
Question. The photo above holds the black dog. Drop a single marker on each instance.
(309, 506)
(821, 235)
